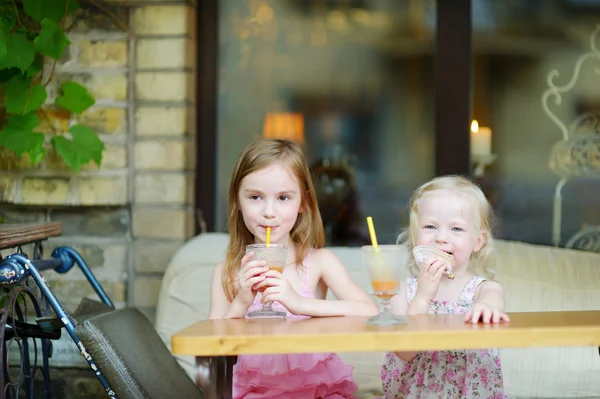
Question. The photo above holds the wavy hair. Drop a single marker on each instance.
(308, 230)
(483, 219)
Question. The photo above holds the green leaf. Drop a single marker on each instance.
(51, 41)
(19, 52)
(75, 98)
(37, 154)
(18, 134)
(21, 97)
(8, 73)
(4, 33)
(36, 66)
(53, 9)
(83, 148)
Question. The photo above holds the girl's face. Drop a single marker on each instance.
(446, 220)
(270, 197)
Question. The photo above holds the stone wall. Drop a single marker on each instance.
(128, 216)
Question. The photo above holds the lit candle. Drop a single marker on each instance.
(481, 139)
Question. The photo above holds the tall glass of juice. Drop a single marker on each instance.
(275, 255)
(387, 266)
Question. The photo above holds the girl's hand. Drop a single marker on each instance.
(430, 274)
(279, 289)
(251, 273)
(483, 312)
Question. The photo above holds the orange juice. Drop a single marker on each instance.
(276, 267)
(384, 286)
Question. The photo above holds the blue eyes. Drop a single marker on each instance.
(455, 229)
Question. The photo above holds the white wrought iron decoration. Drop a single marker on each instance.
(577, 155)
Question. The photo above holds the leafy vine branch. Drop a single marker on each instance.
(31, 32)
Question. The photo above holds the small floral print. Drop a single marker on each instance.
(445, 374)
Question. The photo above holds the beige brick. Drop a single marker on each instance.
(161, 86)
(45, 191)
(107, 260)
(190, 82)
(156, 222)
(145, 291)
(102, 86)
(161, 20)
(160, 155)
(70, 292)
(153, 121)
(8, 161)
(113, 157)
(100, 22)
(160, 188)
(162, 53)
(106, 120)
(102, 53)
(151, 256)
(54, 120)
(7, 189)
(191, 188)
(97, 190)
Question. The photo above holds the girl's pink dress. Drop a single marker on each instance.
(294, 376)
(445, 374)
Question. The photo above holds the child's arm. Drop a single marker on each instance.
(352, 300)
(489, 304)
(220, 307)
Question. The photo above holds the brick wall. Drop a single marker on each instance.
(128, 216)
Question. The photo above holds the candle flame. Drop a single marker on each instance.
(474, 126)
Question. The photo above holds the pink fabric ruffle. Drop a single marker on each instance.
(296, 376)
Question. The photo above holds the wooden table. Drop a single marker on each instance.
(216, 343)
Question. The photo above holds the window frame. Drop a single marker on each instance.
(453, 99)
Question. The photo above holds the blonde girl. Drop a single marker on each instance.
(451, 214)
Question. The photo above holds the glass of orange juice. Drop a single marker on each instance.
(387, 266)
(276, 256)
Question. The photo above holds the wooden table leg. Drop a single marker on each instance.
(214, 374)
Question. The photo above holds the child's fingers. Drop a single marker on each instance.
(468, 315)
(254, 281)
(273, 274)
(268, 282)
(487, 315)
(498, 316)
(270, 294)
(255, 267)
(476, 315)
(246, 258)
(437, 268)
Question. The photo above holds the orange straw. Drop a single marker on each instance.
(372, 233)
(268, 236)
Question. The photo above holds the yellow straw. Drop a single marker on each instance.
(372, 233)
(268, 236)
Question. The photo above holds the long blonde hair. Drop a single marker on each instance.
(308, 230)
(483, 218)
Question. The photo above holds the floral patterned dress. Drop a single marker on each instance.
(445, 374)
